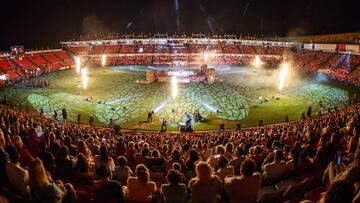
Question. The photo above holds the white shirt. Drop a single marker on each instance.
(122, 173)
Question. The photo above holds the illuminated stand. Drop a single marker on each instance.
(203, 74)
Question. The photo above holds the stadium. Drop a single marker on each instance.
(127, 79)
(182, 118)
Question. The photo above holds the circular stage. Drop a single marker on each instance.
(239, 95)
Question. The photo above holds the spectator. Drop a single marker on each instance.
(4, 157)
(294, 161)
(206, 186)
(236, 162)
(275, 169)
(339, 191)
(42, 187)
(24, 154)
(122, 171)
(175, 157)
(82, 171)
(224, 170)
(64, 163)
(244, 188)
(156, 163)
(174, 190)
(17, 176)
(106, 188)
(140, 188)
(192, 160)
(105, 158)
(46, 157)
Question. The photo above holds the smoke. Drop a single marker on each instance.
(300, 30)
(93, 28)
(264, 77)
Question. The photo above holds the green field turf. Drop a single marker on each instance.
(235, 94)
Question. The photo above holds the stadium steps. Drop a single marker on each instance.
(32, 61)
(45, 59)
(68, 50)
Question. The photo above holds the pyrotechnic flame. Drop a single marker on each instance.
(84, 78)
(256, 61)
(78, 64)
(282, 76)
(174, 87)
(103, 60)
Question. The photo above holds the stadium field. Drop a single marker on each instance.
(239, 95)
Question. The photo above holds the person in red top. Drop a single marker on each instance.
(36, 136)
(24, 155)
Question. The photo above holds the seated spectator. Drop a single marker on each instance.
(105, 158)
(82, 148)
(236, 162)
(156, 163)
(258, 156)
(229, 150)
(350, 173)
(122, 171)
(46, 157)
(42, 187)
(244, 188)
(192, 160)
(213, 159)
(294, 161)
(276, 168)
(24, 154)
(82, 172)
(174, 190)
(17, 176)
(71, 147)
(140, 188)
(106, 188)
(64, 163)
(206, 186)
(4, 157)
(224, 170)
(142, 158)
(175, 158)
(325, 153)
(130, 152)
(339, 191)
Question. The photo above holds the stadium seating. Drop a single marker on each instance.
(295, 184)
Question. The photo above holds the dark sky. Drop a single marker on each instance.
(43, 23)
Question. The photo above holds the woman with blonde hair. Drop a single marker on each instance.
(140, 188)
(82, 148)
(42, 187)
(206, 186)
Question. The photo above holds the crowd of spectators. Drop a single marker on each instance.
(47, 161)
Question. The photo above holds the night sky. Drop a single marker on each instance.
(43, 23)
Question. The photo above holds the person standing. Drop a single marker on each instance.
(64, 114)
(150, 117)
(163, 125)
(308, 113)
(78, 118)
(91, 121)
(55, 114)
